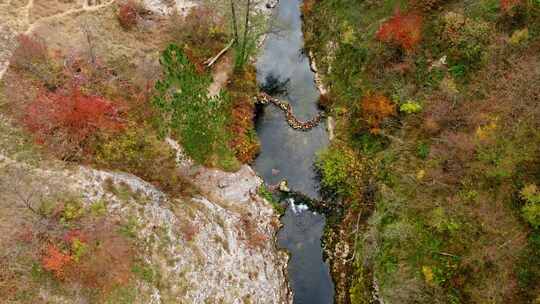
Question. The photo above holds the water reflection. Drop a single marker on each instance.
(289, 154)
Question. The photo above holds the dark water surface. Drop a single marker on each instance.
(289, 154)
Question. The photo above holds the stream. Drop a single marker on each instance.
(289, 154)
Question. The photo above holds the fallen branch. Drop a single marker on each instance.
(213, 60)
(355, 236)
(448, 254)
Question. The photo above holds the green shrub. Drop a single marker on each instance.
(442, 222)
(129, 228)
(98, 208)
(519, 37)
(140, 152)
(78, 249)
(426, 75)
(528, 268)
(488, 10)
(145, 271)
(466, 41)
(368, 143)
(531, 194)
(340, 170)
(422, 150)
(440, 273)
(72, 210)
(46, 207)
(531, 210)
(347, 71)
(267, 195)
(458, 71)
(137, 151)
(410, 107)
(188, 112)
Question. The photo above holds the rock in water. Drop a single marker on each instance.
(284, 186)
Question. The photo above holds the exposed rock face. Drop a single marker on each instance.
(217, 247)
(167, 7)
(231, 255)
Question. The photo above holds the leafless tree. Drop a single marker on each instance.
(246, 27)
(17, 183)
(86, 29)
(235, 25)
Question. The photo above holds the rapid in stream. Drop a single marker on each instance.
(289, 154)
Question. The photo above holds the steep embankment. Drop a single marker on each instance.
(74, 234)
(213, 247)
(435, 156)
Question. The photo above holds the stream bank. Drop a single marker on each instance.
(287, 154)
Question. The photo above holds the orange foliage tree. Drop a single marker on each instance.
(128, 13)
(55, 261)
(67, 120)
(241, 88)
(376, 108)
(507, 5)
(307, 7)
(404, 30)
(30, 49)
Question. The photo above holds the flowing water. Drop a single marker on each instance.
(289, 154)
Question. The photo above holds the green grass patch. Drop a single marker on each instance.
(130, 228)
(197, 120)
(267, 195)
(145, 272)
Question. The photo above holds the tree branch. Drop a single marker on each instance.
(213, 60)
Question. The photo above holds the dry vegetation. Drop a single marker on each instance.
(87, 100)
(447, 186)
(58, 242)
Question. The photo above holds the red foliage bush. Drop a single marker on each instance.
(108, 263)
(128, 13)
(55, 261)
(30, 50)
(72, 235)
(66, 120)
(507, 5)
(307, 7)
(404, 30)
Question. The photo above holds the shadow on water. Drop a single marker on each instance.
(283, 71)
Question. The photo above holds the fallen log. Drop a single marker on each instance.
(210, 62)
(296, 124)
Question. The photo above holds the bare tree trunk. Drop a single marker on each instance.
(85, 27)
(235, 26)
(246, 29)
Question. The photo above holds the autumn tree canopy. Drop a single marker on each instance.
(507, 5)
(66, 120)
(404, 30)
(376, 108)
